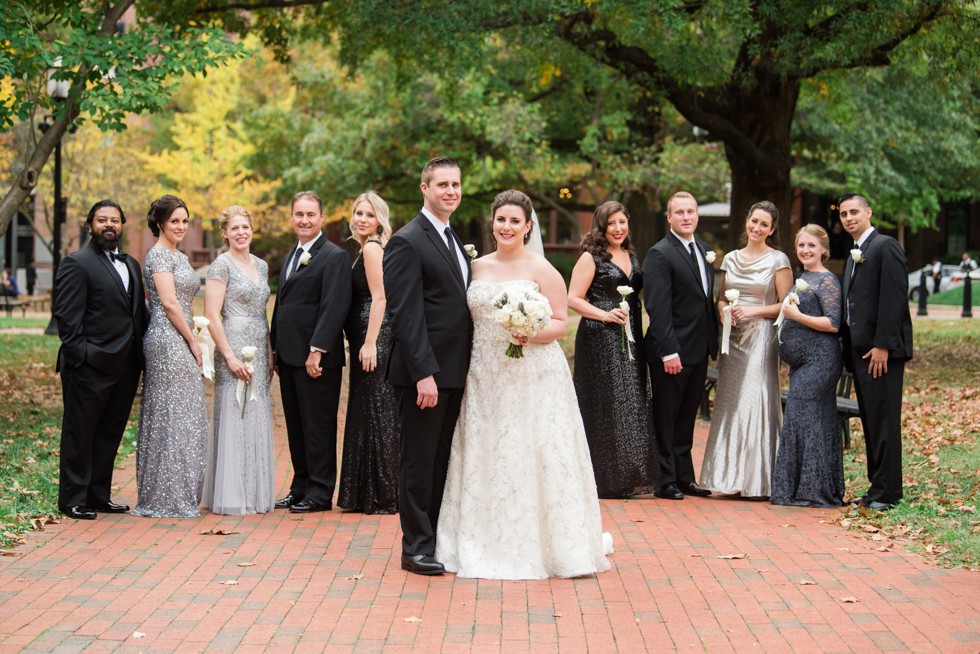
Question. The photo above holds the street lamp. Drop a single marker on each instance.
(58, 91)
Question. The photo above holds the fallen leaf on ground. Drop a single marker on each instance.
(731, 556)
(355, 577)
(849, 600)
(138, 634)
(807, 582)
(218, 532)
(412, 618)
(9, 553)
(245, 564)
(229, 582)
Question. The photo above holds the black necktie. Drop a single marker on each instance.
(697, 268)
(294, 264)
(118, 256)
(449, 242)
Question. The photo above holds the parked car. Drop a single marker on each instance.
(952, 278)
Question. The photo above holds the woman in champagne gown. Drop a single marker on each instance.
(520, 500)
(173, 424)
(239, 478)
(741, 448)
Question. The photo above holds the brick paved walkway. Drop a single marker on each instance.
(711, 575)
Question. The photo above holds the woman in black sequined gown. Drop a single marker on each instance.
(369, 471)
(809, 468)
(610, 372)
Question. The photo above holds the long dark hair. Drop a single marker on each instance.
(595, 241)
(773, 239)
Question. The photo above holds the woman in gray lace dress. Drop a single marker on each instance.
(809, 467)
(239, 477)
(173, 421)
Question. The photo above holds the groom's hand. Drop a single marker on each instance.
(428, 392)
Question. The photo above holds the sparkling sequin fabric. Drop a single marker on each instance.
(741, 448)
(809, 462)
(173, 423)
(369, 472)
(239, 478)
(613, 393)
(520, 499)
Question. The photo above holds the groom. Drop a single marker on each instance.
(425, 280)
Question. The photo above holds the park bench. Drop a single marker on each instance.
(846, 407)
(11, 302)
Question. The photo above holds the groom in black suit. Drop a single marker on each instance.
(101, 314)
(425, 277)
(877, 341)
(308, 348)
(678, 287)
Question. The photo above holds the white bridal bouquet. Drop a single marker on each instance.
(248, 353)
(624, 292)
(726, 334)
(207, 359)
(792, 297)
(523, 314)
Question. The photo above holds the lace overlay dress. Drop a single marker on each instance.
(613, 393)
(520, 499)
(741, 448)
(369, 472)
(239, 477)
(173, 424)
(809, 463)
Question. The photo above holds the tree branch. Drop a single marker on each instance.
(260, 4)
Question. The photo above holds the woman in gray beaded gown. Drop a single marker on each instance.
(369, 472)
(809, 462)
(741, 448)
(239, 477)
(173, 424)
(610, 371)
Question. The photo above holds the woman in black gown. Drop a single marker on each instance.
(610, 372)
(369, 471)
(809, 468)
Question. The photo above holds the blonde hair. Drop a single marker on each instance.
(381, 213)
(817, 232)
(677, 196)
(231, 212)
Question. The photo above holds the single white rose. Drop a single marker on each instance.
(304, 258)
(624, 290)
(200, 322)
(801, 285)
(470, 250)
(249, 351)
(710, 256)
(731, 295)
(857, 255)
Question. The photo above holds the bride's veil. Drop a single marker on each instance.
(535, 243)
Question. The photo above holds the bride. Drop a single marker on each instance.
(520, 499)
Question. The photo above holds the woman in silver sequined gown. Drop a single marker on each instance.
(370, 466)
(239, 477)
(610, 372)
(810, 460)
(741, 448)
(173, 420)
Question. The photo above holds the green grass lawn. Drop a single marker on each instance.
(23, 323)
(954, 296)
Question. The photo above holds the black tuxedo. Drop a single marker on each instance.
(683, 320)
(101, 326)
(426, 302)
(310, 310)
(877, 310)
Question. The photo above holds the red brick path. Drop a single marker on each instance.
(332, 582)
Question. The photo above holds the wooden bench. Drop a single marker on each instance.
(11, 302)
(846, 407)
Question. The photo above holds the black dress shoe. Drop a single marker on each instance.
(422, 564)
(109, 507)
(859, 501)
(669, 492)
(693, 489)
(879, 506)
(287, 501)
(78, 512)
(309, 506)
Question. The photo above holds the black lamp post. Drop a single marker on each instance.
(58, 91)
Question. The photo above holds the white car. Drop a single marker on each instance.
(952, 278)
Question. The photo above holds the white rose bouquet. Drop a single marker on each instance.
(207, 357)
(248, 353)
(625, 292)
(792, 297)
(726, 333)
(523, 314)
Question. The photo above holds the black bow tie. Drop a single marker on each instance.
(118, 256)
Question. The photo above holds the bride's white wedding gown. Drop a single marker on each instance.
(520, 499)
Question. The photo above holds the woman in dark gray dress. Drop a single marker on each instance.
(369, 472)
(809, 468)
(173, 424)
(239, 478)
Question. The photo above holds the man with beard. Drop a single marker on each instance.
(101, 314)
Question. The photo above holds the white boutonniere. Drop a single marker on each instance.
(857, 255)
(304, 258)
(710, 256)
(470, 251)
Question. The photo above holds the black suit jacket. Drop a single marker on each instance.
(426, 297)
(683, 318)
(876, 300)
(311, 307)
(99, 322)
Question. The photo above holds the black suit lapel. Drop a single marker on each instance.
(439, 243)
(113, 273)
(685, 254)
(312, 252)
